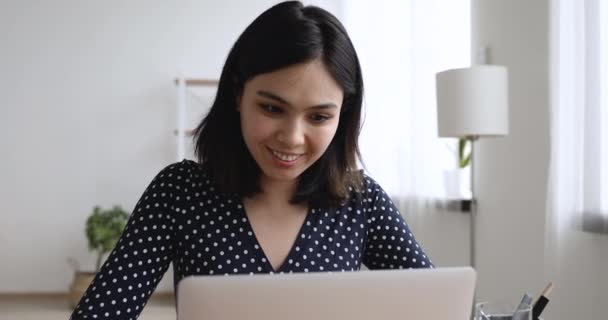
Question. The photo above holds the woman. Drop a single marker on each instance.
(276, 188)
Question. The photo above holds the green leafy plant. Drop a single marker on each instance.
(464, 153)
(103, 229)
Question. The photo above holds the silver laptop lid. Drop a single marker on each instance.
(431, 294)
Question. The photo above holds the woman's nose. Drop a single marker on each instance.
(291, 134)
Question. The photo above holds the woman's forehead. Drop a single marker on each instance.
(306, 83)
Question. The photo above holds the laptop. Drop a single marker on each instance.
(429, 294)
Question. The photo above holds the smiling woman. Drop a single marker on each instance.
(290, 58)
(289, 118)
(276, 188)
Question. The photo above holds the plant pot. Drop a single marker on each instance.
(80, 283)
(457, 183)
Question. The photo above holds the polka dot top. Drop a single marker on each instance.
(182, 219)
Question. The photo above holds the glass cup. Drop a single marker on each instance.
(501, 311)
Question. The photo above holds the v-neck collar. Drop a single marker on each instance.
(296, 243)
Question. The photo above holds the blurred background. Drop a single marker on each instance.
(89, 109)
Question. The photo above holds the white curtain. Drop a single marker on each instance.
(578, 177)
(579, 113)
(402, 45)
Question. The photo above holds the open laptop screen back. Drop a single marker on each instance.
(431, 294)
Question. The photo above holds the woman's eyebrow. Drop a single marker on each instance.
(275, 97)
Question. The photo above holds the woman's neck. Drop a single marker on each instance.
(277, 192)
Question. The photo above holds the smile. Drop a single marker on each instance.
(288, 157)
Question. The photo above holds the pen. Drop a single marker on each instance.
(542, 301)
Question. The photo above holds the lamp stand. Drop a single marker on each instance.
(473, 220)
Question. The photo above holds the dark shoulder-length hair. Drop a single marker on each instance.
(286, 34)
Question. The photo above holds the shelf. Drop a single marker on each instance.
(458, 205)
(183, 85)
(595, 222)
(188, 132)
(193, 82)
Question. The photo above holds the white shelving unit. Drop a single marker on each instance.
(182, 106)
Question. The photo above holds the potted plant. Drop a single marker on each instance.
(103, 229)
(457, 181)
(464, 152)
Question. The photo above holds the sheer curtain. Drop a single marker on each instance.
(579, 113)
(577, 251)
(401, 45)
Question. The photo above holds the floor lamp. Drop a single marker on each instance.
(473, 103)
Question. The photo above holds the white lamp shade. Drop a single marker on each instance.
(473, 102)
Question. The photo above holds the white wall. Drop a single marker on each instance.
(88, 109)
(511, 172)
(512, 178)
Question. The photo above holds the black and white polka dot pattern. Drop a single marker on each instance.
(182, 219)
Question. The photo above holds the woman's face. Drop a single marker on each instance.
(289, 117)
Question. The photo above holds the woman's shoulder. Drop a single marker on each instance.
(364, 192)
(368, 184)
(186, 165)
(181, 172)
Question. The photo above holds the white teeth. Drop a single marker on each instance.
(285, 157)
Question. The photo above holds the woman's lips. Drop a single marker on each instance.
(284, 159)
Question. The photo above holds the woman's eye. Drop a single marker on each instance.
(319, 118)
(270, 108)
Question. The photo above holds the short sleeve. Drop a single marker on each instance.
(140, 258)
(390, 243)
